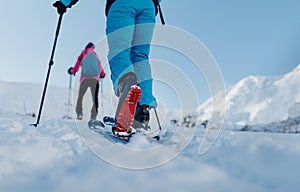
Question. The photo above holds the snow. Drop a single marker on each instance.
(260, 99)
(63, 155)
(54, 157)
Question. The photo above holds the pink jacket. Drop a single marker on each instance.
(79, 62)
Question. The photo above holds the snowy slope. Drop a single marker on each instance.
(58, 157)
(24, 98)
(55, 158)
(256, 100)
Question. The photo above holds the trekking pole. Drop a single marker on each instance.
(160, 12)
(69, 104)
(157, 119)
(51, 62)
(102, 99)
(70, 90)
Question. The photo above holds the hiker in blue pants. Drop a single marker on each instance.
(129, 30)
(135, 21)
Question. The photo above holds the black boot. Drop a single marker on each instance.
(142, 117)
(124, 86)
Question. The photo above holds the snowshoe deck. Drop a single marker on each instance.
(105, 128)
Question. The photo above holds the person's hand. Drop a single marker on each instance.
(102, 75)
(70, 71)
(61, 8)
(73, 2)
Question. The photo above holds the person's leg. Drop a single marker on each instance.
(119, 30)
(82, 89)
(145, 22)
(94, 85)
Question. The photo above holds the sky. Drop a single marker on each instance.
(245, 37)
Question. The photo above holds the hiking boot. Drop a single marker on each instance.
(125, 83)
(142, 117)
(129, 96)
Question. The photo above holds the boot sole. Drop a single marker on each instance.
(126, 114)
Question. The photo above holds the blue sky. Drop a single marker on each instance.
(258, 37)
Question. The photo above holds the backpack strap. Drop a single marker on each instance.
(107, 6)
(158, 9)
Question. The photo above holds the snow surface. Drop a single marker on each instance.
(62, 155)
(54, 157)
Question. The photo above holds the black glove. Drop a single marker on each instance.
(70, 72)
(61, 8)
(73, 3)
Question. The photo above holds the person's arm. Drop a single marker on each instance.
(63, 5)
(73, 70)
(78, 62)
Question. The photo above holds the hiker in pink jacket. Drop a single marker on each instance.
(91, 72)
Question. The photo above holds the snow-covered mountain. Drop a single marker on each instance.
(256, 100)
(290, 125)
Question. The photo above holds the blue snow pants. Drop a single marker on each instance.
(129, 30)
